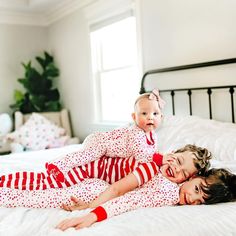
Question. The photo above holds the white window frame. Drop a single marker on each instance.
(105, 12)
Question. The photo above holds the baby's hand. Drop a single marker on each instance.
(77, 204)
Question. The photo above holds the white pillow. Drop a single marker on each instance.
(5, 124)
(38, 133)
(217, 137)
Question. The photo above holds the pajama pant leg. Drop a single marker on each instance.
(23, 180)
(87, 191)
(36, 181)
(94, 147)
(105, 168)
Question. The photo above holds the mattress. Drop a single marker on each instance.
(218, 219)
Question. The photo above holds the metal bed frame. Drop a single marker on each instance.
(189, 90)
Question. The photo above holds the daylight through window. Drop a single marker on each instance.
(115, 69)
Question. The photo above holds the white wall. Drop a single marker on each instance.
(187, 31)
(69, 44)
(17, 44)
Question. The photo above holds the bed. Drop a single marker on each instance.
(177, 130)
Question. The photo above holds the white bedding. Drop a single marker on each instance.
(176, 220)
(218, 137)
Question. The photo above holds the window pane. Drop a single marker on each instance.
(119, 90)
(117, 43)
(114, 64)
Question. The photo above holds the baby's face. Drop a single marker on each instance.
(178, 167)
(147, 115)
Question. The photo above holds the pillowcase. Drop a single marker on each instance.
(38, 133)
(218, 137)
(5, 124)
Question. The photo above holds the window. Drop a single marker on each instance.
(115, 67)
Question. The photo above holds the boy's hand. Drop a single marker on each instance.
(77, 204)
(78, 222)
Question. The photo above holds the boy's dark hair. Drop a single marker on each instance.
(203, 156)
(220, 186)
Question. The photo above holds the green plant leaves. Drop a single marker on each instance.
(18, 96)
(53, 95)
(53, 106)
(51, 71)
(39, 92)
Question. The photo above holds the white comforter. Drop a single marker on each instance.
(176, 220)
(218, 220)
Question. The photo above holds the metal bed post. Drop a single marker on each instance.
(209, 96)
(173, 101)
(190, 101)
(231, 91)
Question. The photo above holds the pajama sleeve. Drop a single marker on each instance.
(139, 198)
(145, 172)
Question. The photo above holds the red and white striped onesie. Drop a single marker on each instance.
(123, 142)
(155, 193)
(106, 168)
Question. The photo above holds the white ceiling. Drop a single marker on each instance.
(37, 12)
(30, 6)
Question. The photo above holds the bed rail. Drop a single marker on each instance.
(209, 89)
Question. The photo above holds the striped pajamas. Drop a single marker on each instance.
(123, 142)
(106, 168)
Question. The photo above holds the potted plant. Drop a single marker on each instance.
(39, 95)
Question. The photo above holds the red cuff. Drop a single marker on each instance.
(100, 213)
(157, 158)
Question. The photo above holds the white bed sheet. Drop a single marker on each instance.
(176, 220)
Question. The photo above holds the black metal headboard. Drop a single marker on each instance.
(189, 90)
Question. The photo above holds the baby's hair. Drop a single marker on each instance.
(144, 95)
(154, 95)
(203, 156)
(220, 186)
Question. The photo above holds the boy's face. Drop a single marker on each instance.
(147, 115)
(178, 167)
(191, 192)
